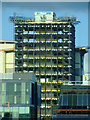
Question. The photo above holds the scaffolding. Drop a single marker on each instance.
(47, 49)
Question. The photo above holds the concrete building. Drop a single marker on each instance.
(7, 56)
(79, 62)
(19, 96)
(46, 46)
(74, 103)
(86, 79)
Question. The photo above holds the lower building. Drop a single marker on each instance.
(19, 96)
(74, 103)
(7, 56)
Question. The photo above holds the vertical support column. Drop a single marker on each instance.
(69, 54)
(45, 69)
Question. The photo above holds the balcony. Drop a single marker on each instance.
(60, 73)
(24, 65)
(42, 114)
(36, 65)
(42, 49)
(60, 57)
(48, 65)
(60, 49)
(54, 41)
(42, 73)
(54, 65)
(60, 81)
(37, 49)
(48, 49)
(42, 57)
(54, 49)
(42, 65)
(48, 41)
(30, 65)
(49, 57)
(42, 41)
(48, 73)
(48, 106)
(19, 31)
(48, 114)
(37, 73)
(54, 90)
(42, 90)
(54, 98)
(60, 65)
(36, 57)
(30, 57)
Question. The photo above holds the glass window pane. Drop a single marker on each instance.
(85, 100)
(65, 100)
(70, 100)
(22, 110)
(88, 100)
(3, 86)
(74, 100)
(79, 100)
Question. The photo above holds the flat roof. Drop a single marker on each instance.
(8, 50)
(6, 41)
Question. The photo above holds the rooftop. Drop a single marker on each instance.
(43, 17)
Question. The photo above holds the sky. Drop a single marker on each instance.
(27, 9)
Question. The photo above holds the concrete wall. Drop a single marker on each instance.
(2, 62)
(6, 46)
(10, 62)
(6, 58)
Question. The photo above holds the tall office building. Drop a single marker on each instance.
(46, 46)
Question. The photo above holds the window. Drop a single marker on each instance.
(15, 87)
(79, 100)
(3, 86)
(31, 31)
(14, 99)
(59, 40)
(65, 100)
(85, 98)
(59, 31)
(31, 40)
(25, 40)
(25, 31)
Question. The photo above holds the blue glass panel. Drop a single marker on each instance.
(48, 13)
(85, 100)
(65, 100)
(79, 100)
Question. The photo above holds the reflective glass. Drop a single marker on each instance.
(79, 100)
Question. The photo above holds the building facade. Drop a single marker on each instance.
(7, 58)
(19, 96)
(46, 46)
(79, 62)
(74, 103)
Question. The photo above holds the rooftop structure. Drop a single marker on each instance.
(43, 17)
